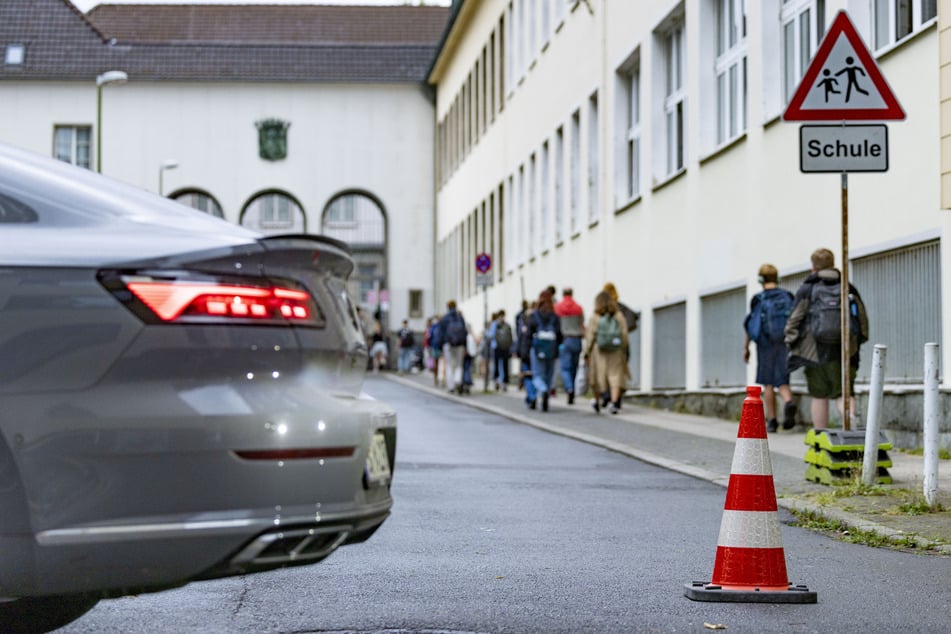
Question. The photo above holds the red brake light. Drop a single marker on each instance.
(201, 301)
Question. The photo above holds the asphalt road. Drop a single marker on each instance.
(499, 527)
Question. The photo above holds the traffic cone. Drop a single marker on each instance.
(750, 564)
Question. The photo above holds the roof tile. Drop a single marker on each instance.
(63, 44)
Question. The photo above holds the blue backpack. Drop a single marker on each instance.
(456, 330)
(767, 323)
(545, 338)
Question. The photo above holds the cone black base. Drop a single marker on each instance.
(701, 591)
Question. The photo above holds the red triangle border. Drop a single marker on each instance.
(892, 111)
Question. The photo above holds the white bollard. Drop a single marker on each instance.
(931, 423)
(873, 420)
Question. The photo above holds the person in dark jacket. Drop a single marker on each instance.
(771, 371)
(823, 362)
(523, 350)
(543, 334)
(452, 338)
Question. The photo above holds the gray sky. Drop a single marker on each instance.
(86, 5)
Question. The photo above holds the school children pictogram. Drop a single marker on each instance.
(843, 82)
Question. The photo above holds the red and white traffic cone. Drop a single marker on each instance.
(750, 564)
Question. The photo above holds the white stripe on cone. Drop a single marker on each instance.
(751, 457)
(750, 529)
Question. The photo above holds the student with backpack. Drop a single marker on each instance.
(453, 334)
(407, 346)
(544, 332)
(503, 338)
(813, 334)
(572, 328)
(765, 324)
(631, 317)
(605, 351)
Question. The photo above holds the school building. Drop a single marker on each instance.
(281, 118)
(643, 143)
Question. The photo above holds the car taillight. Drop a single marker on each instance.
(215, 301)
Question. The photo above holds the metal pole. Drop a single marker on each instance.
(874, 420)
(844, 309)
(931, 423)
(486, 350)
(99, 128)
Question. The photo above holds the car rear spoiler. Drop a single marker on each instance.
(332, 254)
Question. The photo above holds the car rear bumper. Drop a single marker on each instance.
(127, 496)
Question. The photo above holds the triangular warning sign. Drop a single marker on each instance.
(843, 82)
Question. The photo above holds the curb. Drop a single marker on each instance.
(849, 520)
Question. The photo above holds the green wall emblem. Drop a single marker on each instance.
(272, 139)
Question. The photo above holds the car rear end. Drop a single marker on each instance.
(182, 399)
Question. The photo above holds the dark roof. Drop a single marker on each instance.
(271, 24)
(63, 44)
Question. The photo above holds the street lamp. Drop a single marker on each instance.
(108, 77)
(167, 164)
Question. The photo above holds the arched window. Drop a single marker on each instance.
(274, 212)
(358, 219)
(197, 199)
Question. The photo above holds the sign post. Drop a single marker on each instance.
(484, 279)
(851, 88)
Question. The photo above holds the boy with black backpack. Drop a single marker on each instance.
(814, 335)
(765, 324)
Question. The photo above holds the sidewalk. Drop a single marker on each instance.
(702, 447)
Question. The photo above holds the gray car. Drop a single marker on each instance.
(180, 398)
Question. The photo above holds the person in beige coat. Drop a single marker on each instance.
(605, 354)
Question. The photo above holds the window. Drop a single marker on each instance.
(520, 29)
(730, 68)
(508, 212)
(628, 112)
(803, 24)
(532, 208)
(484, 92)
(521, 212)
(72, 144)
(492, 79)
(342, 213)
(559, 184)
(14, 54)
(415, 303)
(501, 220)
(200, 201)
(356, 219)
(575, 169)
(532, 26)
(544, 232)
(274, 212)
(546, 22)
(509, 50)
(594, 162)
(896, 19)
(674, 97)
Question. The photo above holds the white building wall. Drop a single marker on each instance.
(733, 208)
(376, 138)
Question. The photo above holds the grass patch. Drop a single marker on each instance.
(919, 507)
(839, 530)
(943, 454)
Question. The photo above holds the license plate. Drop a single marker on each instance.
(377, 469)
